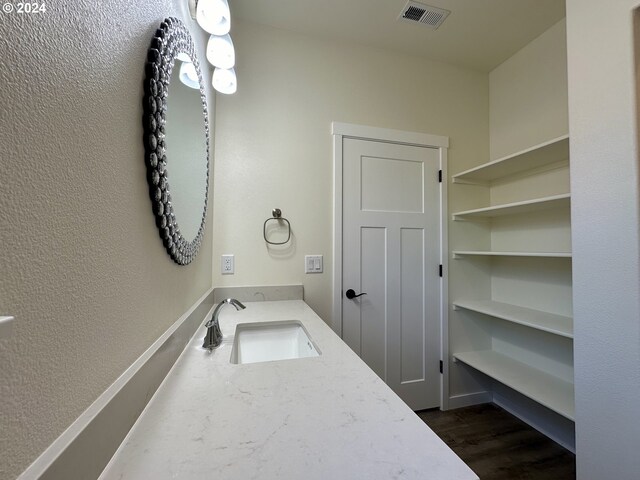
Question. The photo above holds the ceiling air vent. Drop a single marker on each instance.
(426, 15)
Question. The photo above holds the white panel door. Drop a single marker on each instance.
(391, 252)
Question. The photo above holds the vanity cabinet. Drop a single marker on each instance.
(523, 253)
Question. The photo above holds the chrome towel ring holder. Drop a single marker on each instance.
(276, 214)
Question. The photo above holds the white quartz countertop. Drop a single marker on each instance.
(326, 417)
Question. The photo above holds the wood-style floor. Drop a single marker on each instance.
(498, 446)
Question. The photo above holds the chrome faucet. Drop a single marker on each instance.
(213, 338)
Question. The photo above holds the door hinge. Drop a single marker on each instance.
(440, 176)
(441, 366)
(440, 270)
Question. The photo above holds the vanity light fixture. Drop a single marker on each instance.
(189, 75)
(224, 80)
(213, 16)
(220, 51)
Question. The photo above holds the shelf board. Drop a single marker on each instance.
(538, 156)
(547, 390)
(526, 206)
(464, 253)
(547, 322)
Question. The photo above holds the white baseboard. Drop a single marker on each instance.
(85, 448)
(460, 401)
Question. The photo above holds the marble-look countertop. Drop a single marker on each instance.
(326, 417)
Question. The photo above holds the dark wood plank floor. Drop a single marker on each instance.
(498, 446)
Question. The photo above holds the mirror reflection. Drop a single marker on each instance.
(186, 147)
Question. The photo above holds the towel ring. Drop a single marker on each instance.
(277, 216)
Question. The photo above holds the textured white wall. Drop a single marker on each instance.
(274, 144)
(528, 95)
(604, 184)
(83, 268)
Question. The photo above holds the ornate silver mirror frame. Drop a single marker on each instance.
(169, 40)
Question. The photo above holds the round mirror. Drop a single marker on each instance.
(176, 140)
(186, 141)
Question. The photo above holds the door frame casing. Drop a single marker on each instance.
(340, 131)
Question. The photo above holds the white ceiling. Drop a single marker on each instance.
(478, 34)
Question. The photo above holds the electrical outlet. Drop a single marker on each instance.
(313, 264)
(227, 264)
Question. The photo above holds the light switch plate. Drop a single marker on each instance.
(227, 264)
(313, 264)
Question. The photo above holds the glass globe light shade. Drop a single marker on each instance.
(214, 16)
(220, 52)
(225, 81)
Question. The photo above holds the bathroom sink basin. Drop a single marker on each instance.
(269, 341)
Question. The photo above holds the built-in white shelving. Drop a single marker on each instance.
(530, 217)
(541, 155)
(545, 321)
(486, 253)
(548, 390)
(526, 206)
